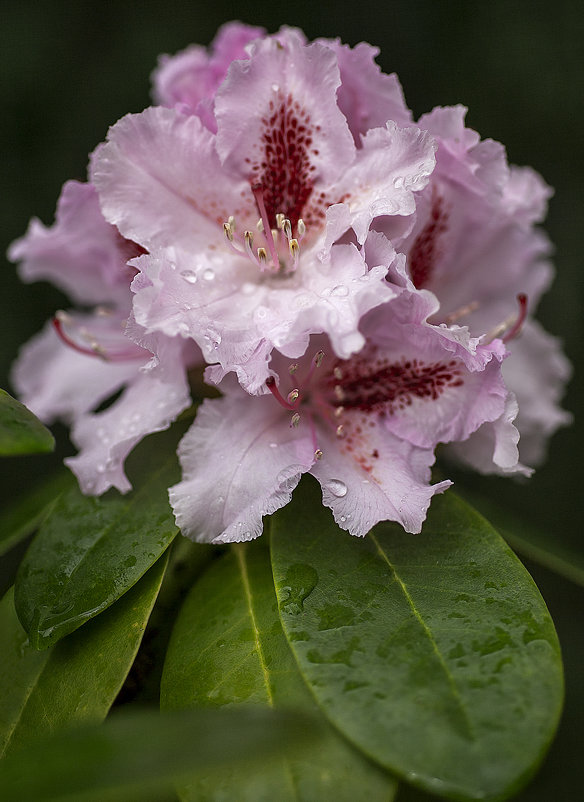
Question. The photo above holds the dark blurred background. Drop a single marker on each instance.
(71, 69)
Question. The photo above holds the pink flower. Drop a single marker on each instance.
(189, 80)
(80, 360)
(255, 234)
(475, 246)
(365, 427)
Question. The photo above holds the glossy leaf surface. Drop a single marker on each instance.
(228, 648)
(77, 680)
(21, 432)
(435, 653)
(144, 752)
(89, 552)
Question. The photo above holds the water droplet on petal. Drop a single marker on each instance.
(261, 313)
(273, 445)
(340, 291)
(212, 338)
(189, 276)
(248, 288)
(303, 300)
(275, 88)
(337, 488)
(342, 519)
(208, 274)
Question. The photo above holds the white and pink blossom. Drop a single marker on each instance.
(82, 359)
(255, 234)
(365, 427)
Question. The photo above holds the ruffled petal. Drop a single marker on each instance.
(81, 254)
(392, 164)
(381, 478)
(240, 461)
(279, 126)
(154, 396)
(160, 181)
(492, 449)
(236, 322)
(367, 97)
(192, 76)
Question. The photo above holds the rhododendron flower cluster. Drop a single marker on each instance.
(360, 287)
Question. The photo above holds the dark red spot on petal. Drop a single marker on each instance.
(424, 252)
(285, 172)
(375, 385)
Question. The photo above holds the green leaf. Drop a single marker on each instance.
(435, 654)
(76, 680)
(89, 552)
(146, 751)
(20, 519)
(227, 647)
(21, 432)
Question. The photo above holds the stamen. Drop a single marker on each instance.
(93, 348)
(287, 228)
(339, 392)
(280, 218)
(231, 221)
(262, 256)
(294, 420)
(248, 240)
(301, 228)
(340, 432)
(260, 225)
(292, 396)
(293, 368)
(513, 323)
(338, 373)
(316, 362)
(294, 251)
(461, 312)
(339, 411)
(522, 301)
(273, 388)
(228, 231)
(257, 190)
(318, 454)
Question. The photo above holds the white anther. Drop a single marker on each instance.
(260, 225)
(301, 228)
(318, 357)
(340, 430)
(280, 218)
(287, 228)
(339, 411)
(318, 454)
(294, 420)
(228, 231)
(339, 392)
(293, 396)
(338, 373)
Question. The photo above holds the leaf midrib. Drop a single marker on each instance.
(443, 664)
